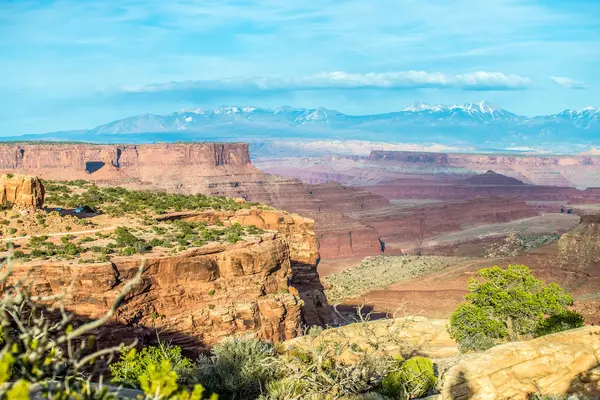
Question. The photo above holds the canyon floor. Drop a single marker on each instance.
(465, 209)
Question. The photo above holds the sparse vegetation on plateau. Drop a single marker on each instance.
(118, 201)
(380, 271)
(518, 243)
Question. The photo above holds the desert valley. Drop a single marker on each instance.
(299, 200)
(382, 247)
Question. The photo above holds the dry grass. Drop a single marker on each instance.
(378, 272)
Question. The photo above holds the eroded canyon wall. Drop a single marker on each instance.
(193, 299)
(349, 221)
(217, 169)
(299, 234)
(562, 171)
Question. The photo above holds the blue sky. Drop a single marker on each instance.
(75, 64)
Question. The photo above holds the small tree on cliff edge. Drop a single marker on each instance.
(509, 304)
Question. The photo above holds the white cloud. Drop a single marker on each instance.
(568, 83)
(479, 80)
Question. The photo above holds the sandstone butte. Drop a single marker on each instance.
(561, 363)
(266, 286)
(348, 221)
(21, 191)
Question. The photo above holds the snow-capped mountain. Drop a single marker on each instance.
(482, 111)
(479, 125)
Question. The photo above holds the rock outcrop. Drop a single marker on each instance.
(580, 247)
(193, 299)
(561, 363)
(406, 337)
(409, 157)
(299, 233)
(21, 191)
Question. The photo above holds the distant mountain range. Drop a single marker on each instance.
(478, 126)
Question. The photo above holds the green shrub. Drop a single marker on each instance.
(413, 379)
(133, 365)
(11, 231)
(239, 368)
(507, 304)
(473, 330)
(19, 254)
(392, 386)
(128, 251)
(286, 388)
(559, 322)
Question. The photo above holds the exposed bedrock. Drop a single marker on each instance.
(193, 299)
(300, 238)
(559, 364)
(21, 191)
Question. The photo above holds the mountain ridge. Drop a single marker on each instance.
(471, 125)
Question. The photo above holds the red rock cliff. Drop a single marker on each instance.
(217, 169)
(300, 237)
(194, 298)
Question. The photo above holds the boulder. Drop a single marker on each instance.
(21, 191)
(406, 337)
(558, 364)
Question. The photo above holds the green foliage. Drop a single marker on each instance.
(471, 327)
(118, 201)
(131, 243)
(559, 322)
(160, 383)
(413, 379)
(318, 373)
(505, 304)
(238, 369)
(133, 366)
(517, 243)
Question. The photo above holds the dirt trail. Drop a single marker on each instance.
(17, 238)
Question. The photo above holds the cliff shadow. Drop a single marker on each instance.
(114, 333)
(305, 280)
(352, 313)
(94, 166)
(81, 212)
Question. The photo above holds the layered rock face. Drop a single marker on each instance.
(21, 191)
(149, 163)
(580, 247)
(216, 169)
(349, 221)
(457, 190)
(300, 237)
(562, 363)
(564, 171)
(397, 226)
(193, 299)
